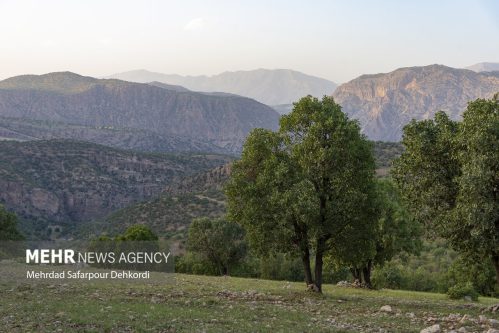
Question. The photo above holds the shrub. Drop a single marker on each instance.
(462, 290)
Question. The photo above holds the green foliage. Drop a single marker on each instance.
(8, 226)
(389, 276)
(394, 233)
(480, 274)
(220, 242)
(463, 290)
(194, 263)
(280, 267)
(449, 177)
(308, 188)
(138, 232)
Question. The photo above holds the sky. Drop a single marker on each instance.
(336, 40)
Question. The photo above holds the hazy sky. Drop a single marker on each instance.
(337, 40)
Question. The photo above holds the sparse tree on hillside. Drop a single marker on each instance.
(307, 188)
(8, 226)
(449, 177)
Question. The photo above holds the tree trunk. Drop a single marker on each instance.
(305, 257)
(367, 274)
(495, 261)
(356, 274)
(321, 244)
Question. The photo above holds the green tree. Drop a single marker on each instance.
(220, 242)
(449, 177)
(395, 232)
(307, 188)
(8, 226)
(138, 232)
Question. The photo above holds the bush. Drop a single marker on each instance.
(389, 276)
(462, 290)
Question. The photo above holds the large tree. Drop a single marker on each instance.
(449, 177)
(307, 188)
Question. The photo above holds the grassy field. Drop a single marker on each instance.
(186, 303)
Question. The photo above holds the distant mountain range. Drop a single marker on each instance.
(484, 67)
(167, 112)
(384, 103)
(271, 87)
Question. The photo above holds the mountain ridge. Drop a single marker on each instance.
(74, 99)
(268, 86)
(385, 102)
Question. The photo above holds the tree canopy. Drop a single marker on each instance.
(307, 188)
(449, 177)
(220, 242)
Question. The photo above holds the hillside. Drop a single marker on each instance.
(66, 97)
(271, 87)
(384, 103)
(124, 138)
(199, 195)
(67, 182)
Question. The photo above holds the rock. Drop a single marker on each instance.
(343, 284)
(431, 329)
(453, 317)
(462, 330)
(468, 298)
(492, 330)
(313, 287)
(493, 308)
(410, 315)
(386, 308)
(494, 323)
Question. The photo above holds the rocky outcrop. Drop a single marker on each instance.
(67, 182)
(384, 103)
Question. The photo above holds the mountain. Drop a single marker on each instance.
(21, 129)
(484, 67)
(384, 103)
(271, 87)
(66, 182)
(69, 98)
(170, 213)
(199, 195)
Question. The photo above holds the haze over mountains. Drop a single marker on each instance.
(220, 120)
(484, 67)
(384, 103)
(271, 87)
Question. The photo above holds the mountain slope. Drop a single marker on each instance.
(69, 182)
(484, 67)
(199, 195)
(21, 129)
(70, 98)
(384, 103)
(271, 87)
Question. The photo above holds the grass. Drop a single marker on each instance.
(187, 303)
